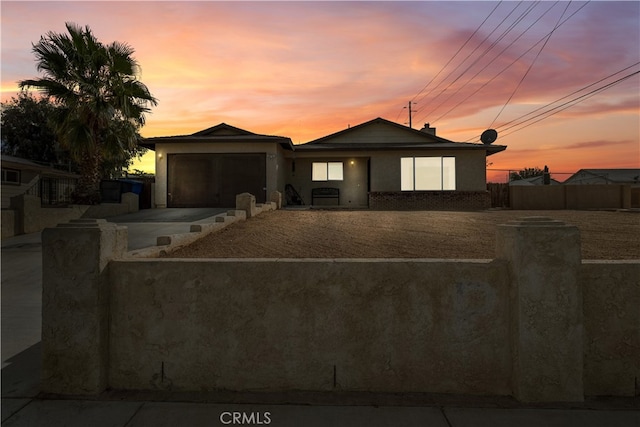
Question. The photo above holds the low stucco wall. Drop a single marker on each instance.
(383, 325)
(8, 223)
(536, 323)
(611, 292)
(31, 217)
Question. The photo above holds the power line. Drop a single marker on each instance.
(552, 111)
(569, 104)
(531, 65)
(465, 59)
(452, 58)
(486, 66)
(506, 68)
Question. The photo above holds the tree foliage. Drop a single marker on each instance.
(526, 173)
(26, 131)
(100, 101)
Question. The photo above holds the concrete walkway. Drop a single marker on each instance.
(24, 405)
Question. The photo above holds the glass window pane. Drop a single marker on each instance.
(448, 173)
(428, 173)
(335, 171)
(406, 174)
(319, 171)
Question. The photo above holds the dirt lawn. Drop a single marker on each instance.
(384, 234)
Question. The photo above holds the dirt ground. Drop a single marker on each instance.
(423, 234)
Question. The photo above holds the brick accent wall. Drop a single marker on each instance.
(429, 200)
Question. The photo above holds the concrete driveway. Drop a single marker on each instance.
(21, 301)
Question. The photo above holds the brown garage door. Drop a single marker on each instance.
(214, 180)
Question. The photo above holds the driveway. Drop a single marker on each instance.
(22, 270)
(145, 226)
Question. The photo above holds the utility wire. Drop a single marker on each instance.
(453, 57)
(486, 66)
(567, 96)
(466, 58)
(508, 66)
(456, 54)
(531, 65)
(520, 120)
(568, 104)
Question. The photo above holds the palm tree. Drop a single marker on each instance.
(102, 103)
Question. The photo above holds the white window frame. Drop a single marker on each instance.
(435, 173)
(327, 171)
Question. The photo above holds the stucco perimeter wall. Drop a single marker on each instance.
(611, 292)
(374, 325)
(588, 196)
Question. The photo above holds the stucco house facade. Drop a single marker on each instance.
(208, 168)
(378, 164)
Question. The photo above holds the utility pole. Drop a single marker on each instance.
(410, 111)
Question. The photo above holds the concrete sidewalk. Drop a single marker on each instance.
(24, 405)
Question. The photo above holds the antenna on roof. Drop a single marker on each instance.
(489, 136)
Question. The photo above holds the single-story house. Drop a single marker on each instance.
(534, 180)
(21, 176)
(378, 164)
(605, 176)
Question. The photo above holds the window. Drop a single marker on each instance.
(427, 173)
(10, 176)
(326, 171)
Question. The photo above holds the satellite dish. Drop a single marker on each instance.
(489, 136)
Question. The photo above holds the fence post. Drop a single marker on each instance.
(75, 304)
(246, 202)
(546, 308)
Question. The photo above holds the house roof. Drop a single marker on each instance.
(622, 176)
(222, 133)
(382, 134)
(11, 162)
(534, 180)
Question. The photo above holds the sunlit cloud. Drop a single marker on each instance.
(308, 69)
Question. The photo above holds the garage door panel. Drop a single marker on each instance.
(214, 180)
(192, 181)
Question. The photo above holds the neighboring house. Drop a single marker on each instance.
(605, 176)
(535, 180)
(378, 164)
(20, 176)
(208, 168)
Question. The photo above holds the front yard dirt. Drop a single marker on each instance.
(385, 234)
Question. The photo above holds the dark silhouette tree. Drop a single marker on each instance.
(101, 103)
(526, 173)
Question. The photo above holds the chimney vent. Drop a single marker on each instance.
(428, 129)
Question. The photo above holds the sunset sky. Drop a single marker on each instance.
(308, 69)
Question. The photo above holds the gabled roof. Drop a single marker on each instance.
(621, 176)
(11, 162)
(382, 134)
(219, 134)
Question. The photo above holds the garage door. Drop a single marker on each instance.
(214, 180)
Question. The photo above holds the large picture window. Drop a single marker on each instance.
(326, 171)
(427, 173)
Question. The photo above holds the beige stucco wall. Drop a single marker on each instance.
(384, 171)
(385, 325)
(273, 153)
(611, 292)
(353, 188)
